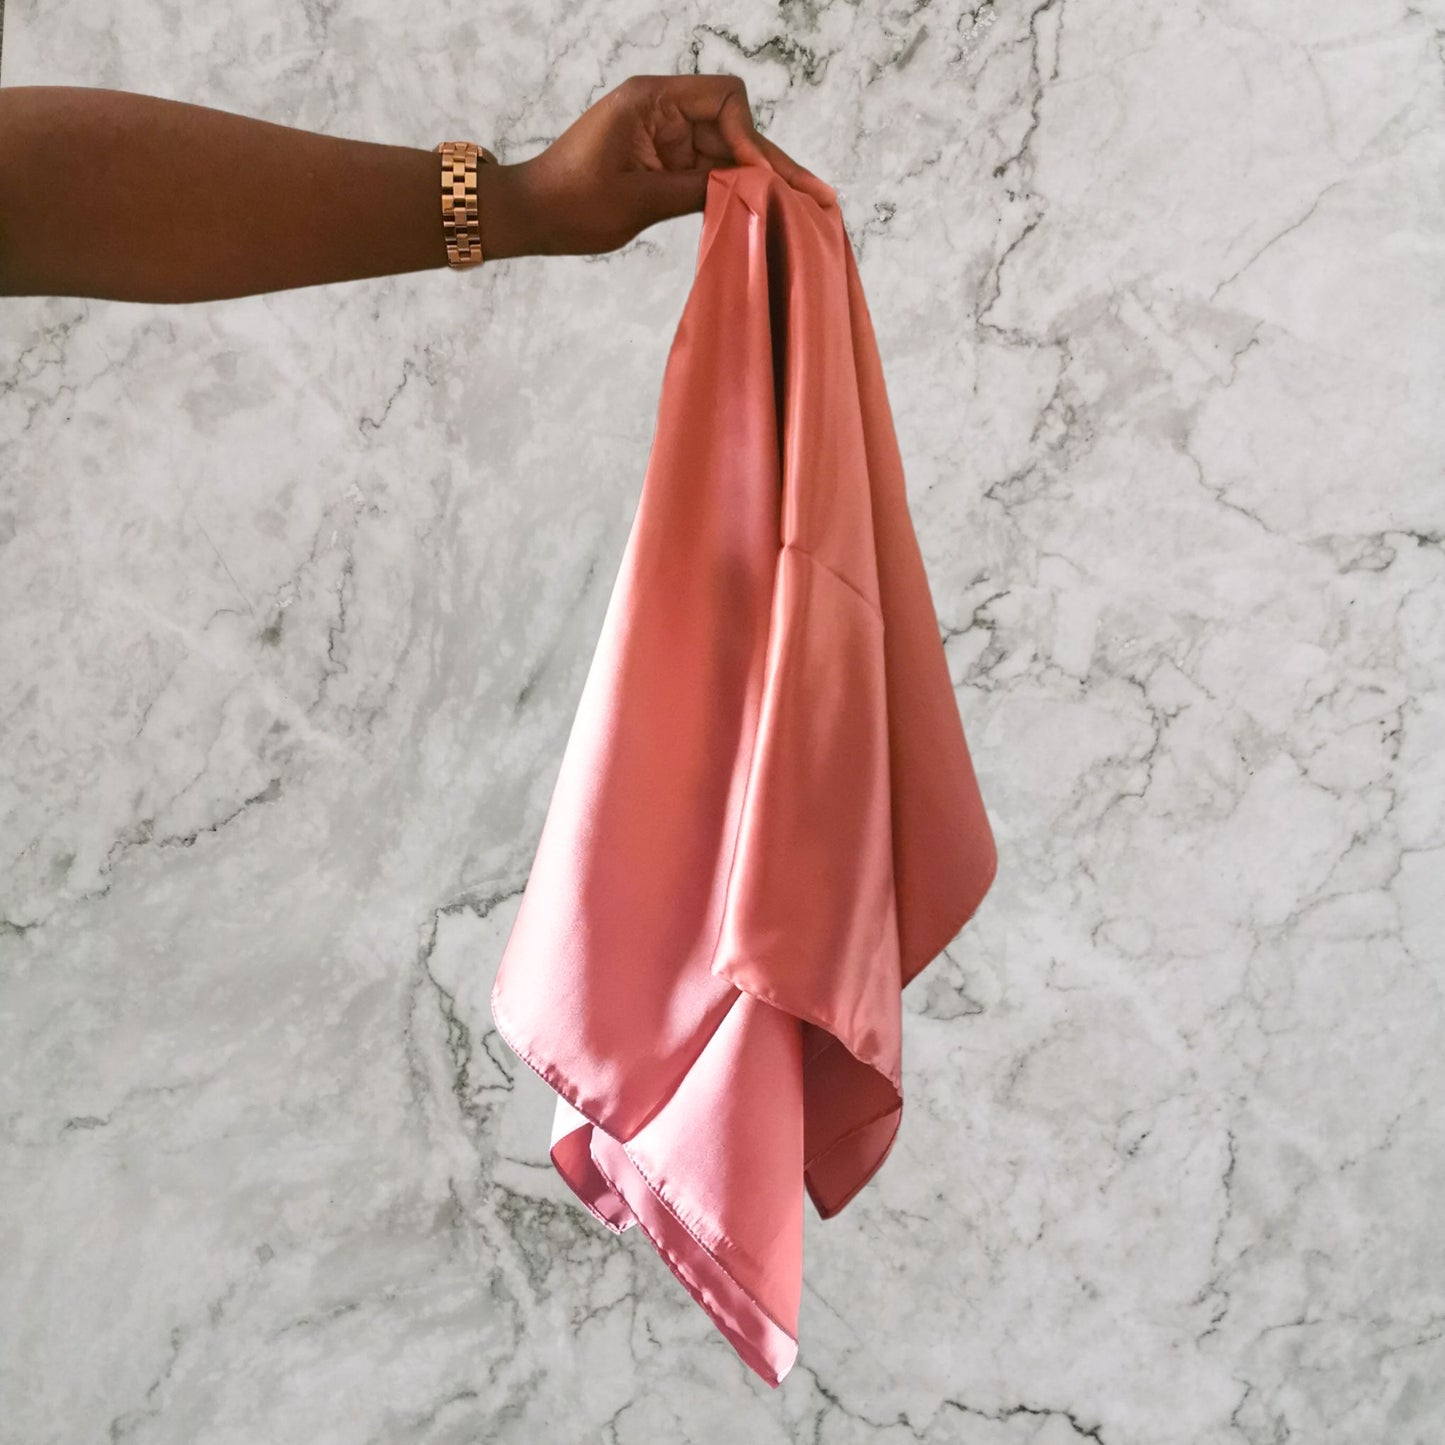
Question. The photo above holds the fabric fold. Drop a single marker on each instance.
(766, 819)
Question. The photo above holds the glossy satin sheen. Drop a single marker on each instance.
(766, 820)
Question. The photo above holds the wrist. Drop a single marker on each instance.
(506, 212)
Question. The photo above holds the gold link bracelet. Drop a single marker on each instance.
(460, 219)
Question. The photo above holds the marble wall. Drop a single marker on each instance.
(297, 594)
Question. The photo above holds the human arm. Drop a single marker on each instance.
(128, 197)
(110, 194)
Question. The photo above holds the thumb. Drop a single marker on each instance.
(663, 195)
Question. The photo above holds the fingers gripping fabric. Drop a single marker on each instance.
(766, 819)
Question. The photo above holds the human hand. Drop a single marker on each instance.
(640, 155)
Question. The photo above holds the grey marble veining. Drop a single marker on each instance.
(297, 594)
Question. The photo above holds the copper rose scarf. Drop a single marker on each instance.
(766, 820)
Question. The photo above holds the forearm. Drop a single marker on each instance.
(129, 197)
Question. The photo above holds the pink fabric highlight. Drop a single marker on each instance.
(766, 820)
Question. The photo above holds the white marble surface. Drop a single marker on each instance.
(297, 594)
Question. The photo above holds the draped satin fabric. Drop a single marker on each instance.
(766, 821)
